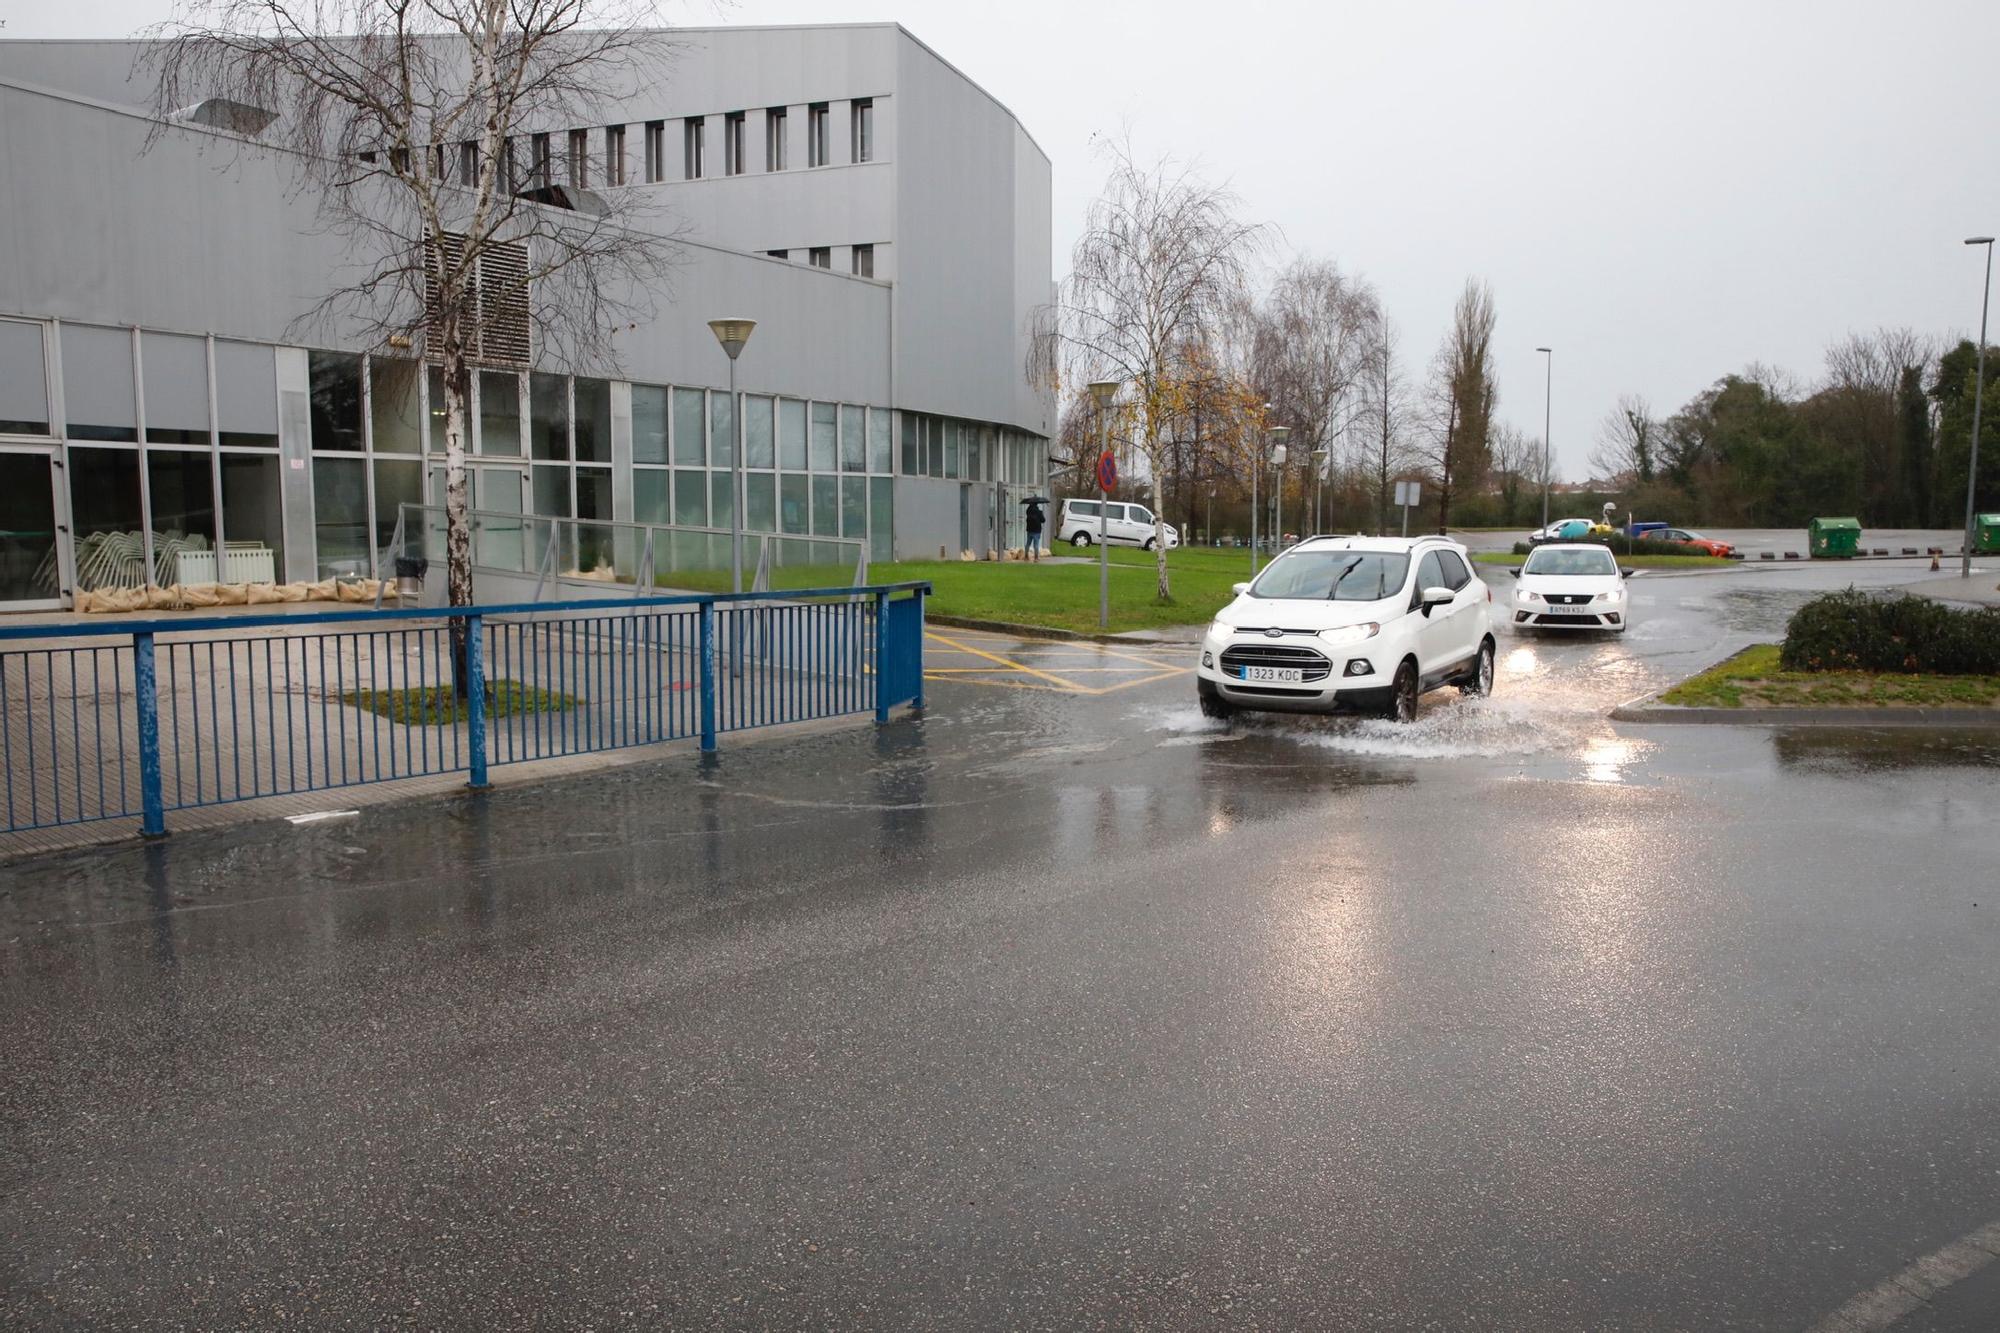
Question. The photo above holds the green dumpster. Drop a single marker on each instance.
(1833, 538)
(1986, 534)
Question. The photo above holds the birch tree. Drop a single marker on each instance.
(1162, 257)
(425, 133)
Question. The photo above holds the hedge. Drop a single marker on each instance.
(1856, 631)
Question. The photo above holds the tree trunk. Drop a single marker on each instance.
(457, 515)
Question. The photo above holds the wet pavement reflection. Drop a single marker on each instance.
(1043, 1009)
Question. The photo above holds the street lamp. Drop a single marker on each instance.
(1978, 398)
(1104, 393)
(1256, 468)
(1319, 489)
(1548, 387)
(1210, 528)
(733, 334)
(1278, 434)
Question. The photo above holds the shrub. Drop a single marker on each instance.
(1856, 631)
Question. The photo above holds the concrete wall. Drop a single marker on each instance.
(197, 235)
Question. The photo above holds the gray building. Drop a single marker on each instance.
(884, 219)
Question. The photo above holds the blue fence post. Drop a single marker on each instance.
(881, 656)
(475, 700)
(917, 702)
(146, 688)
(707, 677)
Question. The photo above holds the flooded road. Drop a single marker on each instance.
(1046, 1009)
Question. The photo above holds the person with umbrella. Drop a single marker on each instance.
(1033, 550)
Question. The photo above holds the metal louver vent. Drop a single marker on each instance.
(500, 326)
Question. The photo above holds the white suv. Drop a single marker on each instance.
(1122, 524)
(1350, 624)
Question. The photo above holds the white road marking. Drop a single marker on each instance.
(1900, 1294)
(318, 816)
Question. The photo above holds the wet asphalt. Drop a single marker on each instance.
(1047, 1010)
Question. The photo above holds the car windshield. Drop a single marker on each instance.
(1548, 561)
(1333, 576)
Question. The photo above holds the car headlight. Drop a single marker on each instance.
(1615, 595)
(1350, 633)
(1526, 596)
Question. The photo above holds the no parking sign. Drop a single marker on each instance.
(1107, 471)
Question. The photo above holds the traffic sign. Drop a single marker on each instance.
(1107, 471)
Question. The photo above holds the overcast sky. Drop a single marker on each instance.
(1663, 193)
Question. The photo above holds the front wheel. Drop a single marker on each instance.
(1080, 539)
(1150, 544)
(1480, 683)
(1214, 705)
(1403, 696)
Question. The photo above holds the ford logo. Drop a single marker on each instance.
(1274, 634)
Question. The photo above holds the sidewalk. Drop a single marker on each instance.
(1979, 590)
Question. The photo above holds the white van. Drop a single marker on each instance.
(1123, 525)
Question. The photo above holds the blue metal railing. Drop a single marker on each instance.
(205, 711)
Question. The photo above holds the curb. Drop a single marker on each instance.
(1808, 717)
(1647, 708)
(1048, 632)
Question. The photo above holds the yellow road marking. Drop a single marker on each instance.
(995, 657)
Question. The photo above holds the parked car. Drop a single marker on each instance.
(1571, 587)
(1350, 624)
(1122, 524)
(1688, 537)
(1569, 530)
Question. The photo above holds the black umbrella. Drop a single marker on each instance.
(1037, 500)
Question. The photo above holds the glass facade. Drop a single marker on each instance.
(172, 443)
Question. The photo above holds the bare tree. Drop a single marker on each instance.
(1381, 445)
(1462, 396)
(424, 132)
(1161, 259)
(1517, 463)
(1628, 442)
(1310, 345)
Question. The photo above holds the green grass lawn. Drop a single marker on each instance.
(1753, 679)
(1625, 561)
(436, 705)
(1065, 596)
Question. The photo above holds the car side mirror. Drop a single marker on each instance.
(1515, 571)
(1239, 588)
(1624, 573)
(1435, 597)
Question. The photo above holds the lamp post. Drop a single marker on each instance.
(1548, 387)
(733, 334)
(1210, 528)
(1278, 434)
(1104, 393)
(1978, 401)
(1319, 489)
(1256, 467)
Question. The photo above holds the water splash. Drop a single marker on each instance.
(1455, 729)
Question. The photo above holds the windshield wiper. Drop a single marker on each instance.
(1333, 593)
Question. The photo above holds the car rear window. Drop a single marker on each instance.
(1333, 576)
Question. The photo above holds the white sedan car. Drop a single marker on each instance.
(1572, 586)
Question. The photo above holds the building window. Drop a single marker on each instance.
(656, 151)
(499, 414)
(468, 163)
(542, 168)
(864, 130)
(779, 254)
(694, 133)
(614, 154)
(818, 131)
(732, 144)
(579, 159)
(821, 256)
(775, 156)
(176, 380)
(864, 261)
